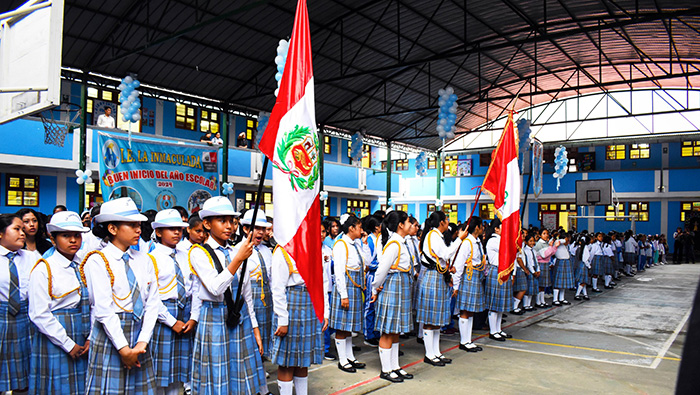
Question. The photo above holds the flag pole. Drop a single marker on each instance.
(257, 196)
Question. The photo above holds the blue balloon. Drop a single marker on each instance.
(453, 97)
(280, 67)
(136, 83)
(452, 118)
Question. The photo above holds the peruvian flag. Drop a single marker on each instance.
(502, 182)
(291, 143)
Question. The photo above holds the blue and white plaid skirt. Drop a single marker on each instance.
(15, 348)
(433, 302)
(499, 297)
(172, 353)
(582, 274)
(349, 320)
(533, 285)
(471, 295)
(106, 373)
(520, 283)
(394, 313)
(263, 313)
(597, 265)
(225, 360)
(629, 258)
(415, 286)
(545, 278)
(53, 371)
(303, 343)
(564, 277)
(608, 265)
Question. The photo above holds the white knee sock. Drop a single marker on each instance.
(562, 294)
(385, 359)
(584, 290)
(528, 300)
(556, 294)
(428, 342)
(594, 280)
(436, 342)
(286, 387)
(465, 329)
(349, 354)
(395, 356)
(608, 278)
(302, 385)
(516, 303)
(579, 289)
(493, 322)
(420, 330)
(499, 321)
(342, 351)
(540, 297)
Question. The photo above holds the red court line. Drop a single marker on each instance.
(375, 378)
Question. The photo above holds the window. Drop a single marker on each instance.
(209, 122)
(640, 211)
(397, 207)
(22, 190)
(99, 98)
(690, 148)
(185, 117)
(366, 156)
(265, 202)
(93, 194)
(251, 126)
(487, 211)
(557, 214)
(326, 208)
(615, 152)
(383, 164)
(610, 214)
(687, 209)
(572, 165)
(452, 212)
(639, 151)
(484, 160)
(326, 144)
(401, 164)
(432, 163)
(359, 207)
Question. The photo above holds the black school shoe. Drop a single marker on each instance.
(565, 302)
(434, 362)
(391, 376)
(470, 347)
(557, 303)
(419, 340)
(357, 364)
(497, 337)
(597, 290)
(347, 367)
(586, 297)
(444, 359)
(577, 297)
(403, 374)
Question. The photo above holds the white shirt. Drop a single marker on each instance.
(103, 296)
(607, 250)
(217, 141)
(492, 247)
(529, 259)
(630, 245)
(597, 248)
(388, 258)
(587, 255)
(252, 267)
(65, 289)
(282, 278)
(412, 246)
(435, 248)
(90, 243)
(327, 253)
(167, 282)
(105, 121)
(562, 251)
(184, 245)
(213, 284)
(465, 252)
(346, 257)
(24, 261)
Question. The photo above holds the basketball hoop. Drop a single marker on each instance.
(58, 121)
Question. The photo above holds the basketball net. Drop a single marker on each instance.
(55, 130)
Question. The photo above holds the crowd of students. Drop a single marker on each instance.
(116, 301)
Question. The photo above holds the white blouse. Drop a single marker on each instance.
(346, 256)
(394, 258)
(24, 261)
(469, 244)
(167, 282)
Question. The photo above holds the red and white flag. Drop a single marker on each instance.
(502, 182)
(291, 143)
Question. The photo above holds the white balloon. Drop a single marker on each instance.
(449, 90)
(88, 181)
(80, 181)
(277, 91)
(128, 79)
(78, 173)
(88, 173)
(440, 128)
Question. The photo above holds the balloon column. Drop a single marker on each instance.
(422, 164)
(130, 102)
(227, 188)
(323, 196)
(356, 147)
(561, 164)
(391, 202)
(447, 115)
(84, 177)
(280, 60)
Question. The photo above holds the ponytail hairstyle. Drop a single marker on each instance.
(100, 229)
(349, 222)
(432, 222)
(391, 223)
(495, 223)
(474, 223)
(370, 224)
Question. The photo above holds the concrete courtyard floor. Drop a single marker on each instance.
(627, 340)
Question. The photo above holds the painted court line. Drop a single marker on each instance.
(567, 356)
(594, 349)
(670, 341)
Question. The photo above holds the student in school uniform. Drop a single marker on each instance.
(533, 268)
(372, 226)
(433, 300)
(544, 251)
(608, 262)
(297, 341)
(630, 248)
(346, 298)
(520, 274)
(59, 308)
(564, 277)
(15, 267)
(641, 251)
(327, 253)
(499, 297)
(583, 266)
(124, 300)
(617, 251)
(391, 291)
(195, 233)
(171, 347)
(597, 262)
(467, 282)
(226, 355)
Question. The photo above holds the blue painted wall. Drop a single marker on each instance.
(25, 137)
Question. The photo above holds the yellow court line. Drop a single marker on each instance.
(595, 349)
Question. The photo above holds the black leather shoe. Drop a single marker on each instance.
(497, 337)
(464, 347)
(357, 365)
(586, 297)
(507, 336)
(403, 374)
(434, 362)
(609, 287)
(517, 312)
(557, 303)
(347, 367)
(419, 340)
(391, 376)
(565, 302)
(577, 297)
(597, 290)
(400, 353)
(444, 359)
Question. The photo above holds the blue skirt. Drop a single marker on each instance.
(582, 273)
(262, 303)
(172, 353)
(608, 265)
(303, 343)
(15, 348)
(53, 371)
(433, 301)
(349, 320)
(532, 285)
(394, 313)
(545, 278)
(564, 277)
(520, 283)
(597, 265)
(106, 373)
(499, 297)
(629, 259)
(471, 295)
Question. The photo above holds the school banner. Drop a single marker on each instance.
(157, 174)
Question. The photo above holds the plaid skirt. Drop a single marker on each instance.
(597, 265)
(433, 302)
(499, 297)
(629, 259)
(520, 283)
(171, 353)
(471, 293)
(533, 285)
(608, 265)
(545, 278)
(581, 273)
(15, 348)
(106, 374)
(303, 343)
(394, 313)
(349, 320)
(415, 287)
(564, 277)
(263, 313)
(225, 360)
(53, 371)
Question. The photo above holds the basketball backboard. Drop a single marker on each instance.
(594, 192)
(30, 58)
